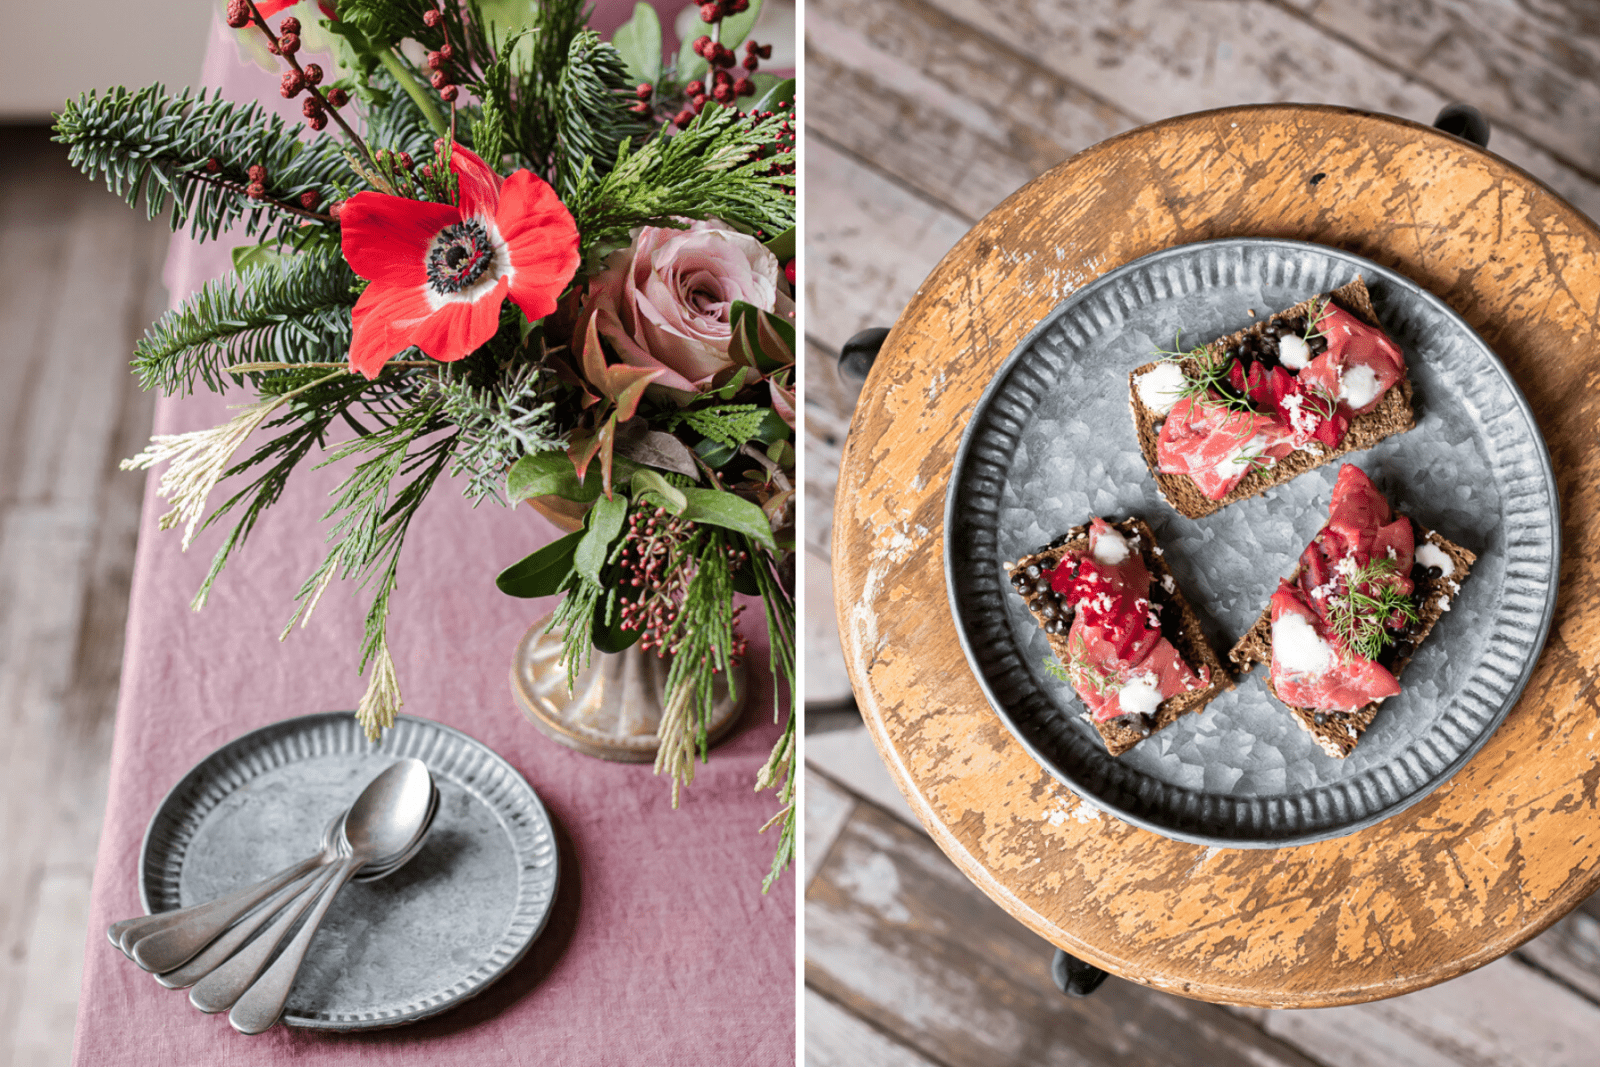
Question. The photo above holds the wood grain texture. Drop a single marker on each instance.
(900, 939)
(68, 523)
(1485, 863)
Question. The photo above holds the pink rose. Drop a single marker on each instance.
(664, 303)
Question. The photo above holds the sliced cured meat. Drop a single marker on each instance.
(1217, 446)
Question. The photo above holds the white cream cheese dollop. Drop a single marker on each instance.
(1431, 555)
(1141, 693)
(1298, 648)
(1160, 387)
(1110, 548)
(1358, 386)
(1293, 352)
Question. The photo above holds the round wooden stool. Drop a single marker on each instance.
(1492, 858)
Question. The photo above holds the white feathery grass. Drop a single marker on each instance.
(382, 701)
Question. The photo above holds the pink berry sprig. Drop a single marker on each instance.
(318, 106)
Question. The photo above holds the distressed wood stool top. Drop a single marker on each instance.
(1500, 852)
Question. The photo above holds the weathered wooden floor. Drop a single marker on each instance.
(921, 116)
(82, 280)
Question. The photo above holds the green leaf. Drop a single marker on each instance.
(608, 635)
(782, 245)
(735, 28)
(715, 453)
(717, 508)
(604, 524)
(646, 480)
(760, 339)
(772, 429)
(762, 84)
(690, 66)
(262, 255)
(549, 474)
(541, 573)
(779, 98)
(639, 41)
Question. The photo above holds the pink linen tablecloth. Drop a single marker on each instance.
(661, 949)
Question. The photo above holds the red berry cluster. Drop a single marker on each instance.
(644, 92)
(723, 86)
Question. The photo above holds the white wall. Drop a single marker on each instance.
(56, 49)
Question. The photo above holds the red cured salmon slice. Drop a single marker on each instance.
(1360, 363)
(1216, 447)
(1311, 667)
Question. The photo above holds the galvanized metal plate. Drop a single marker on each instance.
(1051, 443)
(431, 935)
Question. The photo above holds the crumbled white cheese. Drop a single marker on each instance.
(1443, 603)
(1431, 555)
(1141, 693)
(1293, 352)
(1158, 550)
(1168, 584)
(1297, 647)
(1160, 387)
(1110, 548)
(1304, 422)
(1358, 386)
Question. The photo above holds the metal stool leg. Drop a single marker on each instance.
(1073, 976)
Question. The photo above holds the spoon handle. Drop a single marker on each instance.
(187, 930)
(218, 990)
(216, 953)
(263, 1002)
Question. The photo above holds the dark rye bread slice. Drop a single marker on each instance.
(1185, 634)
(1392, 415)
(1336, 732)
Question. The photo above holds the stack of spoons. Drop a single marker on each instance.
(240, 953)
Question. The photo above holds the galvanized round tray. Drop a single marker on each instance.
(393, 951)
(1051, 443)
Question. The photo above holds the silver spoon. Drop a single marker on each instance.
(200, 923)
(378, 834)
(222, 949)
(214, 954)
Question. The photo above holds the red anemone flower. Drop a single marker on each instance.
(440, 273)
(269, 8)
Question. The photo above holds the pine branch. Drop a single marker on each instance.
(158, 148)
(722, 166)
(296, 311)
(593, 96)
(533, 100)
(498, 425)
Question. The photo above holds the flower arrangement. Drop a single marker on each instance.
(551, 266)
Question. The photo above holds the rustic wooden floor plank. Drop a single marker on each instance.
(1504, 1014)
(68, 524)
(1156, 58)
(849, 758)
(828, 808)
(899, 938)
(851, 283)
(1533, 68)
(835, 1038)
(1570, 950)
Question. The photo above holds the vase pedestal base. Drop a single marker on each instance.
(615, 704)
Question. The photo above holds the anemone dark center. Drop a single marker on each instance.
(459, 256)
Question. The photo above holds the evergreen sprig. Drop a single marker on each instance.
(721, 166)
(593, 95)
(296, 310)
(158, 148)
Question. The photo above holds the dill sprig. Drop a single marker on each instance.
(1205, 376)
(1360, 613)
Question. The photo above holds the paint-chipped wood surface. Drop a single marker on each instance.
(1502, 851)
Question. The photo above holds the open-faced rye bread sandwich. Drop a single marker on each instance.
(1268, 403)
(1340, 629)
(1121, 632)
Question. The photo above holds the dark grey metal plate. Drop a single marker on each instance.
(428, 937)
(1051, 443)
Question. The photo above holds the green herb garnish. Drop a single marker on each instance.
(1361, 618)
